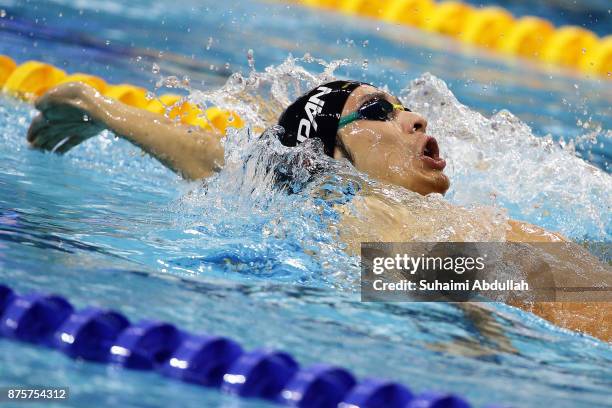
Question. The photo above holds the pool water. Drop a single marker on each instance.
(109, 226)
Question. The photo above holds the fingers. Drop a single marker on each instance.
(53, 142)
(46, 135)
(37, 124)
(59, 137)
(68, 144)
(63, 121)
(64, 113)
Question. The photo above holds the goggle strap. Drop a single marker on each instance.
(351, 117)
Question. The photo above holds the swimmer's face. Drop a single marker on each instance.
(397, 151)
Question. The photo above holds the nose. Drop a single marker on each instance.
(412, 122)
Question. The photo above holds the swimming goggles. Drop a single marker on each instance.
(378, 109)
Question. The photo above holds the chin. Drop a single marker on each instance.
(430, 182)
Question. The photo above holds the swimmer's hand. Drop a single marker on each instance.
(73, 112)
(65, 119)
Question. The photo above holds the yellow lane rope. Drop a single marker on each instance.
(490, 27)
(33, 78)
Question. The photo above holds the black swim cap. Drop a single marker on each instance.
(316, 115)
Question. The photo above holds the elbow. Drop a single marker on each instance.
(206, 162)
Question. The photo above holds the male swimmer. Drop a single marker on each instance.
(354, 121)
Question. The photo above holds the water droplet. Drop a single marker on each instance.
(365, 43)
(227, 65)
(138, 58)
(2, 13)
(171, 82)
(155, 69)
(251, 58)
(107, 42)
(209, 43)
(364, 65)
(149, 96)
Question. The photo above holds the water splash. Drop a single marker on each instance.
(260, 96)
(241, 219)
(500, 160)
(244, 219)
(493, 161)
(244, 199)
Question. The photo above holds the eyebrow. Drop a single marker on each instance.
(378, 95)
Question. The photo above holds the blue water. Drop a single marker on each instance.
(106, 225)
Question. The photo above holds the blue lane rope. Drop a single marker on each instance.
(106, 336)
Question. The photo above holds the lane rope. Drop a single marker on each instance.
(31, 79)
(493, 28)
(106, 336)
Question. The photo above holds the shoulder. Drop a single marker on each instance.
(524, 232)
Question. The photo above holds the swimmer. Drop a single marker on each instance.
(369, 128)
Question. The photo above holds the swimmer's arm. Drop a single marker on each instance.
(74, 112)
(487, 327)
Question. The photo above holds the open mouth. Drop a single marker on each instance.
(431, 154)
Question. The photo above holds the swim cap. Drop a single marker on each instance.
(316, 115)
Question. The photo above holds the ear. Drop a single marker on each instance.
(340, 151)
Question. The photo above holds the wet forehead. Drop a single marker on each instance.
(363, 93)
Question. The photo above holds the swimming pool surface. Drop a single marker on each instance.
(107, 225)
